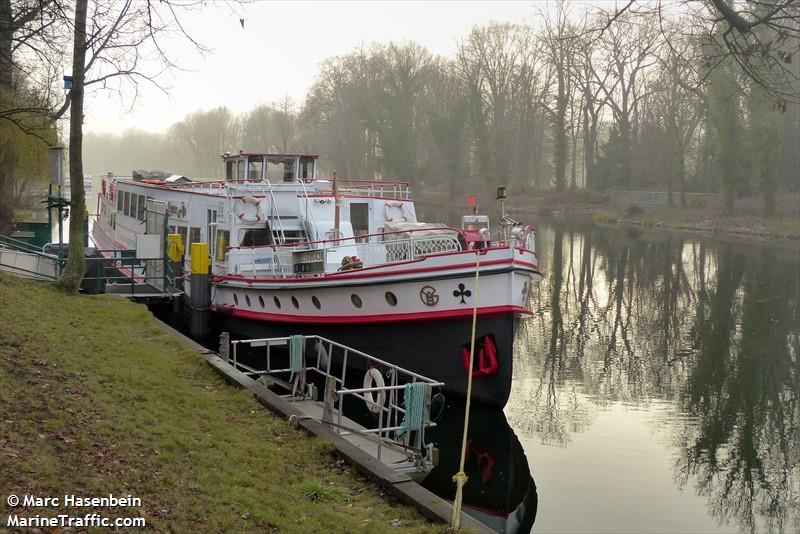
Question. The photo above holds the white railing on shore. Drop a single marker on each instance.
(276, 261)
(335, 365)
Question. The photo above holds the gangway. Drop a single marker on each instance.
(386, 418)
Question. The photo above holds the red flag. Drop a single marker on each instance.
(472, 200)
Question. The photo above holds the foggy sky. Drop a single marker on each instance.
(278, 51)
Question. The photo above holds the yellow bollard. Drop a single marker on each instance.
(200, 261)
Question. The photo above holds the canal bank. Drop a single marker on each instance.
(96, 398)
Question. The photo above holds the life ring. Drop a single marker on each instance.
(374, 379)
(240, 209)
(406, 215)
(487, 358)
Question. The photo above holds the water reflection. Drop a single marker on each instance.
(700, 334)
(500, 491)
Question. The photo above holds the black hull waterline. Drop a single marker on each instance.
(430, 348)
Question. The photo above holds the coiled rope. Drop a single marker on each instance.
(414, 402)
(460, 478)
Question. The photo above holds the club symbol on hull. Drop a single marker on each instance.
(462, 292)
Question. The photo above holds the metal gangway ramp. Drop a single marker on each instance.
(317, 375)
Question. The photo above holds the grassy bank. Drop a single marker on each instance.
(95, 399)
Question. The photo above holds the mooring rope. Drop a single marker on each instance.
(414, 395)
(460, 478)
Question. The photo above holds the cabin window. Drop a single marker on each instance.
(240, 170)
(230, 170)
(134, 204)
(140, 211)
(194, 237)
(280, 169)
(255, 168)
(255, 237)
(223, 238)
(127, 206)
(120, 198)
(306, 168)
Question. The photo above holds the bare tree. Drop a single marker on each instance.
(111, 40)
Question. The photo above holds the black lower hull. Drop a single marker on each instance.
(432, 349)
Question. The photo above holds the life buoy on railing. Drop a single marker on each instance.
(374, 379)
(487, 358)
(406, 215)
(240, 209)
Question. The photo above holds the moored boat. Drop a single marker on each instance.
(345, 259)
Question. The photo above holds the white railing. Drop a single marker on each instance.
(334, 366)
(375, 189)
(276, 261)
(411, 248)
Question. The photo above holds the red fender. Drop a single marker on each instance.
(487, 358)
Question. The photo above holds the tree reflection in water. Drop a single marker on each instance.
(710, 327)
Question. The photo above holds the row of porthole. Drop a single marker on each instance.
(391, 299)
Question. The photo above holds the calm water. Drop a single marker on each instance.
(657, 389)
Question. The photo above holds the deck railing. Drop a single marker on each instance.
(336, 368)
(372, 250)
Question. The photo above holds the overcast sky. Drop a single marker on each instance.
(279, 49)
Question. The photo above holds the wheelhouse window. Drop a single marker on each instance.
(306, 168)
(254, 237)
(240, 170)
(127, 205)
(280, 169)
(120, 197)
(230, 170)
(255, 168)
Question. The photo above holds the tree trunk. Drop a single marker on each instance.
(76, 264)
(6, 64)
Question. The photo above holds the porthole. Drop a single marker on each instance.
(247, 300)
(235, 299)
(261, 301)
(315, 302)
(277, 302)
(391, 298)
(295, 303)
(356, 300)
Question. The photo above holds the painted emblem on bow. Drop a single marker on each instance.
(428, 296)
(462, 292)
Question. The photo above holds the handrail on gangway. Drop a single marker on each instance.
(333, 362)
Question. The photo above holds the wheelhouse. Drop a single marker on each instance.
(274, 168)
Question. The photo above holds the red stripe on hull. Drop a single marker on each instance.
(489, 311)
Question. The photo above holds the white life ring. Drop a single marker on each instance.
(396, 204)
(241, 209)
(374, 379)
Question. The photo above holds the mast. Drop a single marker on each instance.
(336, 205)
